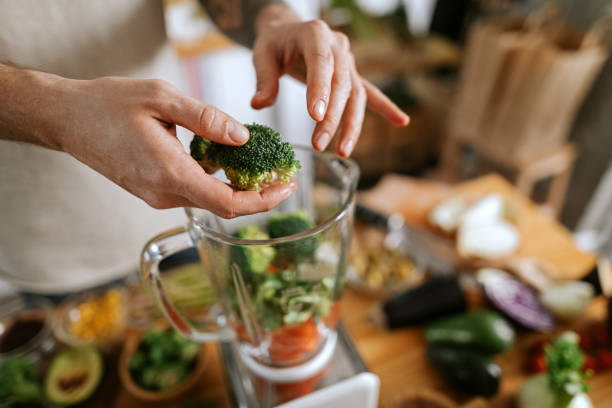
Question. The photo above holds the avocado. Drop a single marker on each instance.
(74, 375)
(481, 330)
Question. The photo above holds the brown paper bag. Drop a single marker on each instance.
(548, 82)
(523, 82)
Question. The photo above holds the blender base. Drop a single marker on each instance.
(249, 390)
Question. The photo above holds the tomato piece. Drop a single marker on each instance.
(590, 363)
(538, 363)
(586, 342)
(601, 336)
(604, 358)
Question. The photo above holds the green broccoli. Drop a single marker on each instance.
(285, 224)
(262, 160)
(252, 259)
(19, 382)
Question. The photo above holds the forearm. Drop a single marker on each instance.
(28, 99)
(241, 19)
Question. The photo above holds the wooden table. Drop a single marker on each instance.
(397, 357)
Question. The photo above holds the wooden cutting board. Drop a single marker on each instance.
(543, 238)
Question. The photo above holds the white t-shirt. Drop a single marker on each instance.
(64, 227)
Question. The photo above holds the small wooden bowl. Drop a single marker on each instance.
(131, 344)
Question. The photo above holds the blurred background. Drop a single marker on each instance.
(415, 50)
(491, 209)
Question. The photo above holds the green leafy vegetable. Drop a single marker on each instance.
(163, 359)
(563, 386)
(19, 382)
(262, 160)
(564, 361)
(283, 299)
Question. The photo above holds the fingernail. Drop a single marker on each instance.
(323, 141)
(289, 188)
(320, 109)
(347, 147)
(238, 133)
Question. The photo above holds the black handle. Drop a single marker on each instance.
(371, 216)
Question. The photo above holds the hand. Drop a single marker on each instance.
(125, 130)
(311, 52)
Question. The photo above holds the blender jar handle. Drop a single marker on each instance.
(160, 247)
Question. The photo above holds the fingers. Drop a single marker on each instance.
(381, 104)
(172, 106)
(227, 202)
(340, 92)
(319, 59)
(353, 117)
(267, 70)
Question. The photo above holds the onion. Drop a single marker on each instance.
(489, 241)
(447, 214)
(515, 299)
(486, 211)
(568, 300)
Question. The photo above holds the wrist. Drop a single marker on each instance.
(52, 110)
(273, 16)
(32, 101)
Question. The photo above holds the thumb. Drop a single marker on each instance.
(268, 74)
(204, 120)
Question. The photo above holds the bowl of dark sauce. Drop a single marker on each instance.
(25, 327)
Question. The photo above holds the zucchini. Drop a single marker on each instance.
(473, 372)
(483, 330)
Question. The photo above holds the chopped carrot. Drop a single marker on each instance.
(272, 269)
(291, 343)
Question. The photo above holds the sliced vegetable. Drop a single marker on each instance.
(292, 343)
(484, 331)
(447, 214)
(486, 211)
(515, 299)
(472, 372)
(488, 241)
(568, 300)
(74, 375)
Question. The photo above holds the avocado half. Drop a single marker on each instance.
(74, 375)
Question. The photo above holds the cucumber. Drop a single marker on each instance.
(473, 372)
(483, 331)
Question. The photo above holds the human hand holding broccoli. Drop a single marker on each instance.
(125, 129)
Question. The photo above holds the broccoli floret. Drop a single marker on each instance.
(252, 259)
(263, 159)
(284, 224)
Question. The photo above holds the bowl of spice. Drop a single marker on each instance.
(95, 318)
(25, 327)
